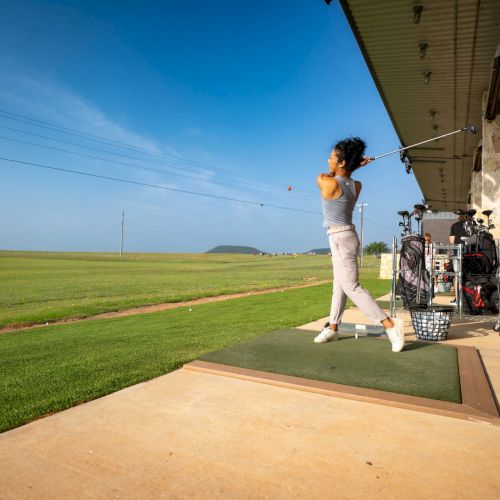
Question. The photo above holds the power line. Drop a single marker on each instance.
(382, 215)
(127, 181)
(375, 223)
(121, 155)
(151, 169)
(110, 142)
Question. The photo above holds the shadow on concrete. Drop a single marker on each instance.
(463, 328)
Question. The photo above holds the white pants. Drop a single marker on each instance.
(345, 246)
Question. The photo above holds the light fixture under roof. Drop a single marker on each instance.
(417, 13)
(432, 114)
(422, 49)
(427, 76)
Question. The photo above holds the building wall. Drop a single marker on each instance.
(439, 229)
(476, 190)
(485, 187)
(438, 225)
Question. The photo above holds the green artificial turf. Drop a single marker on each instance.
(425, 370)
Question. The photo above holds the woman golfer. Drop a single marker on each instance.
(339, 194)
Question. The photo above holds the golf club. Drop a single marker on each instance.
(418, 213)
(469, 128)
(406, 223)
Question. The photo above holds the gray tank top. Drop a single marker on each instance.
(338, 212)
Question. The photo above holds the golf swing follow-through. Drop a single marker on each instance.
(339, 193)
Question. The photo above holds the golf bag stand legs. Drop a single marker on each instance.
(459, 277)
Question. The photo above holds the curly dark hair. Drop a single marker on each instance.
(351, 150)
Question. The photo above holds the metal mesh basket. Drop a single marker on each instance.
(431, 323)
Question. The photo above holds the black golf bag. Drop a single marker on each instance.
(413, 282)
(480, 256)
(480, 294)
(479, 282)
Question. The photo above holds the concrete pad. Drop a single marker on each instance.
(190, 434)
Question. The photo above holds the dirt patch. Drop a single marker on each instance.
(162, 307)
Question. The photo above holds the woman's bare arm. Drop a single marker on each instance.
(328, 186)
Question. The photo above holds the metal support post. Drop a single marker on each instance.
(431, 275)
(393, 276)
(460, 297)
(361, 250)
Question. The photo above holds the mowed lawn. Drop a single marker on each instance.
(48, 369)
(40, 287)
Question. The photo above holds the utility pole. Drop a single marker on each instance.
(361, 210)
(123, 222)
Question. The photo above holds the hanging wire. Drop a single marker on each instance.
(121, 155)
(151, 169)
(110, 142)
(128, 181)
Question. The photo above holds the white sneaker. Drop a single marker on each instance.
(326, 335)
(397, 334)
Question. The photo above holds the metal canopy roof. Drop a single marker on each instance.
(461, 38)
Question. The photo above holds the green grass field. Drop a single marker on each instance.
(40, 287)
(48, 369)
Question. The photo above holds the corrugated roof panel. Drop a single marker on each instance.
(460, 68)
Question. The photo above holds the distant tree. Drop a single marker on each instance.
(376, 248)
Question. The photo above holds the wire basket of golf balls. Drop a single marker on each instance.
(431, 323)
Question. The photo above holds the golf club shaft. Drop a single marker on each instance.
(419, 143)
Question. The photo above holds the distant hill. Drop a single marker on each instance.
(234, 249)
(319, 251)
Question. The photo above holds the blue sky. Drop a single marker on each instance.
(237, 99)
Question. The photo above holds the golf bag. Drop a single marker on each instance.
(480, 294)
(413, 282)
(480, 256)
(479, 282)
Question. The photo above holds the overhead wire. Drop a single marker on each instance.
(156, 186)
(140, 167)
(110, 142)
(128, 181)
(382, 215)
(109, 152)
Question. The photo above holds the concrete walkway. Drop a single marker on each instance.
(196, 435)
